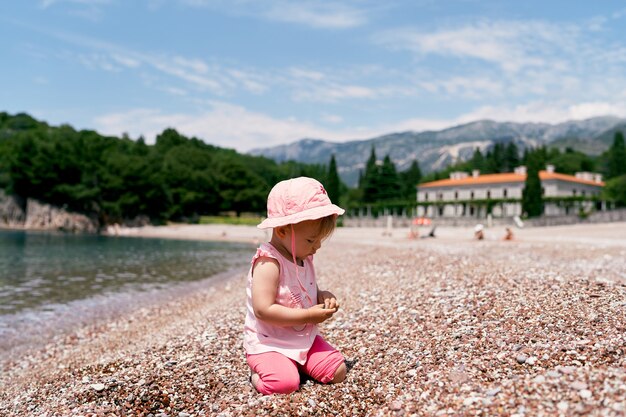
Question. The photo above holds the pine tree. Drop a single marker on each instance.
(511, 157)
(371, 179)
(478, 160)
(410, 178)
(389, 183)
(332, 181)
(617, 156)
(532, 198)
(495, 158)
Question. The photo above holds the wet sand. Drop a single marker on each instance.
(445, 326)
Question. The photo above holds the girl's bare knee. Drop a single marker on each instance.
(340, 374)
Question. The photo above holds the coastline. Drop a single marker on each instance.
(594, 234)
(427, 325)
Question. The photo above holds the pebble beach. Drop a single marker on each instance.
(447, 326)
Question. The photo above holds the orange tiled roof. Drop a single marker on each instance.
(505, 177)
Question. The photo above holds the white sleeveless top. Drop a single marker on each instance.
(294, 291)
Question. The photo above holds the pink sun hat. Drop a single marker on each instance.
(296, 200)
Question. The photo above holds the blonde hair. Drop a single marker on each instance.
(327, 226)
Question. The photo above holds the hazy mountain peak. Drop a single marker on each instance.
(434, 150)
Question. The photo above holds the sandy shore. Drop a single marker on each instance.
(445, 326)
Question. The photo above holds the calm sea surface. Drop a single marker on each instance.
(45, 275)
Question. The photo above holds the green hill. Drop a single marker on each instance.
(118, 179)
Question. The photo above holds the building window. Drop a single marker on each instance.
(488, 194)
(582, 193)
(456, 195)
(425, 196)
(472, 195)
(574, 192)
(504, 193)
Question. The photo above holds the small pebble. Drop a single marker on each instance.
(395, 406)
(493, 392)
(539, 379)
(521, 359)
(98, 387)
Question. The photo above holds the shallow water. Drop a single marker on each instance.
(47, 278)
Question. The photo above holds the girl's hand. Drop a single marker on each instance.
(319, 313)
(328, 299)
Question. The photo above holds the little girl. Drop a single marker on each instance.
(284, 304)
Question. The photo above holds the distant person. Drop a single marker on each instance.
(479, 233)
(508, 234)
(284, 303)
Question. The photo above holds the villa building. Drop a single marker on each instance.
(476, 195)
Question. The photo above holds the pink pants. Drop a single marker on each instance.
(280, 375)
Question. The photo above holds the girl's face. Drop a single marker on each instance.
(308, 238)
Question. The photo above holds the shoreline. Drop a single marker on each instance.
(598, 233)
(611, 233)
(50, 323)
(427, 325)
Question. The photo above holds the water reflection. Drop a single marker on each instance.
(40, 269)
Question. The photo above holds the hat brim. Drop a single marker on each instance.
(310, 214)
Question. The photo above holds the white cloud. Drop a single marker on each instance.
(538, 112)
(125, 60)
(233, 126)
(306, 74)
(547, 112)
(316, 14)
(512, 45)
(251, 82)
(198, 73)
(181, 68)
(99, 61)
(224, 125)
(472, 87)
(321, 15)
(334, 92)
(332, 118)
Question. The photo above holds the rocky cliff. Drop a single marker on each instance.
(31, 214)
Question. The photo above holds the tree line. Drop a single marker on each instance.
(179, 178)
(116, 180)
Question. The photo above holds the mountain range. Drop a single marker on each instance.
(434, 150)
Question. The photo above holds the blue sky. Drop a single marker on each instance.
(245, 74)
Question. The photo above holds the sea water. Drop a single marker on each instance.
(53, 280)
